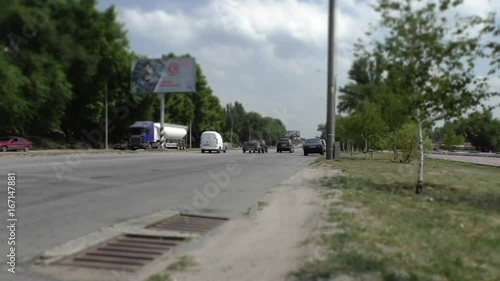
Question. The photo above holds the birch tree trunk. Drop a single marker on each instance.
(420, 181)
(366, 147)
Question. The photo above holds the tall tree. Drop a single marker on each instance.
(366, 75)
(431, 61)
(180, 109)
(482, 131)
(367, 125)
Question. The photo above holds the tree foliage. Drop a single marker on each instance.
(479, 128)
(60, 59)
(430, 60)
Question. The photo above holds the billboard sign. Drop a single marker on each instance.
(293, 134)
(174, 75)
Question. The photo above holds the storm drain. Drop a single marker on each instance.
(189, 223)
(127, 252)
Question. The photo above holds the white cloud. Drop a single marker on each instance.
(176, 28)
(261, 53)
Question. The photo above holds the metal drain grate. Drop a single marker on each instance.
(127, 252)
(189, 223)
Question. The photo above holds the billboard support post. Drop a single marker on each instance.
(162, 120)
(162, 76)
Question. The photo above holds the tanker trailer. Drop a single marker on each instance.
(174, 135)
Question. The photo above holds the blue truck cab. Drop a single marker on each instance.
(142, 134)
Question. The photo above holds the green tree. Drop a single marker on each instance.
(430, 61)
(452, 140)
(38, 79)
(366, 75)
(405, 144)
(322, 130)
(482, 131)
(180, 109)
(367, 124)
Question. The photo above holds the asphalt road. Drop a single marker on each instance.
(482, 160)
(60, 198)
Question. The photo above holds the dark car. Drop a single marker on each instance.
(264, 146)
(252, 146)
(15, 143)
(121, 145)
(314, 146)
(285, 145)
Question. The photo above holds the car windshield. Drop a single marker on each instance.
(136, 131)
(313, 141)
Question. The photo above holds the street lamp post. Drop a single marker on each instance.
(330, 107)
(106, 113)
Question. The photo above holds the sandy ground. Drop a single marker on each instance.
(266, 244)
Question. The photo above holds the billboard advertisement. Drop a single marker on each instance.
(174, 75)
(293, 134)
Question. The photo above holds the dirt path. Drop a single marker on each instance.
(266, 244)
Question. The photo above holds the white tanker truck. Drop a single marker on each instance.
(146, 134)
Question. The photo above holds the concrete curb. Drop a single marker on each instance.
(134, 226)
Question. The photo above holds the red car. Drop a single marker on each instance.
(15, 143)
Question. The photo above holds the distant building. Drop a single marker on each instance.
(293, 134)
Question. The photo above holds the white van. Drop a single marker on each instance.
(212, 141)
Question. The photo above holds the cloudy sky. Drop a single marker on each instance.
(271, 55)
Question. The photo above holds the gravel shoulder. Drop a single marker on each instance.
(268, 242)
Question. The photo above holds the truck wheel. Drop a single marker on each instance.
(218, 151)
(202, 151)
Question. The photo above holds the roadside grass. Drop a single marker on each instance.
(160, 277)
(182, 264)
(392, 234)
(261, 205)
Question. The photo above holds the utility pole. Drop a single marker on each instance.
(231, 116)
(190, 134)
(106, 110)
(330, 100)
(231, 131)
